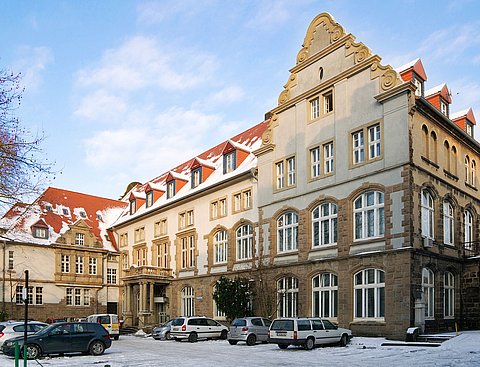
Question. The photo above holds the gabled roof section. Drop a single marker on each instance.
(57, 223)
(154, 187)
(12, 215)
(231, 145)
(466, 113)
(440, 89)
(197, 162)
(172, 175)
(416, 66)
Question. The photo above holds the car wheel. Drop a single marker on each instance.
(309, 343)
(223, 334)
(97, 348)
(251, 339)
(33, 351)
(193, 337)
(283, 346)
(168, 336)
(344, 340)
(233, 342)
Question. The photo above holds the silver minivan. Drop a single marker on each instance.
(306, 332)
(249, 329)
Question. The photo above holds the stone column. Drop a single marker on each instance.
(151, 297)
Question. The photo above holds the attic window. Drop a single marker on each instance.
(170, 189)
(469, 129)
(229, 162)
(444, 107)
(79, 239)
(38, 232)
(83, 214)
(99, 217)
(49, 208)
(149, 201)
(65, 211)
(196, 177)
(133, 206)
(418, 83)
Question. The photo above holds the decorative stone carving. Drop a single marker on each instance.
(267, 137)
(285, 95)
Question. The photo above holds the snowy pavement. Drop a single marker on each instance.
(131, 351)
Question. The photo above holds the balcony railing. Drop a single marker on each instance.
(147, 270)
(471, 249)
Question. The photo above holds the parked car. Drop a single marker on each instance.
(193, 328)
(249, 329)
(162, 331)
(10, 329)
(109, 322)
(306, 332)
(66, 337)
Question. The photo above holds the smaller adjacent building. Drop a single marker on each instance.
(72, 258)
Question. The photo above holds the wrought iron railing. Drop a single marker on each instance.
(470, 249)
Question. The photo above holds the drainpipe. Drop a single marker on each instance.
(4, 306)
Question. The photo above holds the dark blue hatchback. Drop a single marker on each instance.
(65, 337)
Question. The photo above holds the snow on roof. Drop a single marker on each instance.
(417, 67)
(78, 206)
(466, 113)
(407, 66)
(435, 90)
(247, 141)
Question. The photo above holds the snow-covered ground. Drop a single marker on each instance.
(131, 351)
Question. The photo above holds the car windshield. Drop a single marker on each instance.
(239, 322)
(47, 329)
(178, 322)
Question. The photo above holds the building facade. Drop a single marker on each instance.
(71, 257)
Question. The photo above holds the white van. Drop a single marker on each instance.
(109, 322)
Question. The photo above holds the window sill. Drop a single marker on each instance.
(450, 175)
(369, 321)
(470, 186)
(431, 163)
(277, 190)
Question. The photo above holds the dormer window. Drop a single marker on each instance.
(49, 208)
(444, 107)
(229, 162)
(196, 177)
(133, 206)
(99, 217)
(79, 239)
(419, 84)
(65, 211)
(170, 189)
(469, 129)
(149, 201)
(38, 232)
(83, 214)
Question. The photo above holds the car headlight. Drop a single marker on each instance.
(9, 343)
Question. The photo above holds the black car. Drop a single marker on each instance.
(65, 337)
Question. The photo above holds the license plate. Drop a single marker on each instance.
(281, 333)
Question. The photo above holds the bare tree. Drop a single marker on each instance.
(23, 168)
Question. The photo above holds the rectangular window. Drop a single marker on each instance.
(289, 179)
(86, 297)
(280, 172)
(214, 210)
(418, 84)
(39, 295)
(77, 296)
(79, 265)
(315, 162)
(222, 203)
(140, 234)
(30, 296)
(79, 239)
(125, 260)
(162, 255)
(18, 295)
(149, 201)
(444, 108)
(65, 263)
(170, 189)
(218, 208)
(328, 158)
(358, 147)
(133, 206)
(328, 102)
(315, 108)
(92, 266)
(40, 232)
(229, 162)
(10, 260)
(196, 177)
(111, 276)
(190, 218)
(123, 240)
(237, 202)
(69, 296)
(291, 171)
(188, 252)
(374, 141)
(160, 227)
(247, 199)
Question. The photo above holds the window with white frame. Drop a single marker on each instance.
(244, 241)
(133, 206)
(140, 234)
(160, 227)
(291, 181)
(217, 314)
(38, 295)
(327, 102)
(287, 297)
(79, 265)
(444, 107)
(418, 83)
(449, 295)
(196, 177)
(324, 224)
(19, 294)
(468, 230)
(467, 169)
(369, 215)
(123, 240)
(374, 141)
(220, 247)
(287, 232)
(369, 294)
(188, 301)
(34, 295)
(111, 276)
(149, 199)
(86, 297)
(285, 179)
(65, 263)
(358, 147)
(325, 295)
(188, 252)
(40, 232)
(162, 254)
(170, 189)
(125, 260)
(237, 202)
(448, 223)
(315, 162)
(328, 158)
(473, 174)
(92, 266)
(427, 214)
(222, 207)
(229, 162)
(428, 286)
(77, 296)
(10, 260)
(280, 174)
(315, 108)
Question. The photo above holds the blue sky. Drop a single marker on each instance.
(125, 90)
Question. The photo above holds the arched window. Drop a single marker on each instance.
(428, 286)
(324, 224)
(468, 230)
(287, 297)
(448, 223)
(188, 301)
(467, 169)
(325, 295)
(369, 290)
(453, 164)
(220, 247)
(449, 295)
(473, 174)
(369, 215)
(244, 240)
(427, 214)
(425, 141)
(433, 147)
(287, 232)
(446, 156)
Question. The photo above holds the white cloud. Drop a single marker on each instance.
(228, 95)
(101, 105)
(154, 12)
(270, 14)
(32, 62)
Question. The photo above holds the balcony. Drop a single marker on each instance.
(470, 249)
(147, 270)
